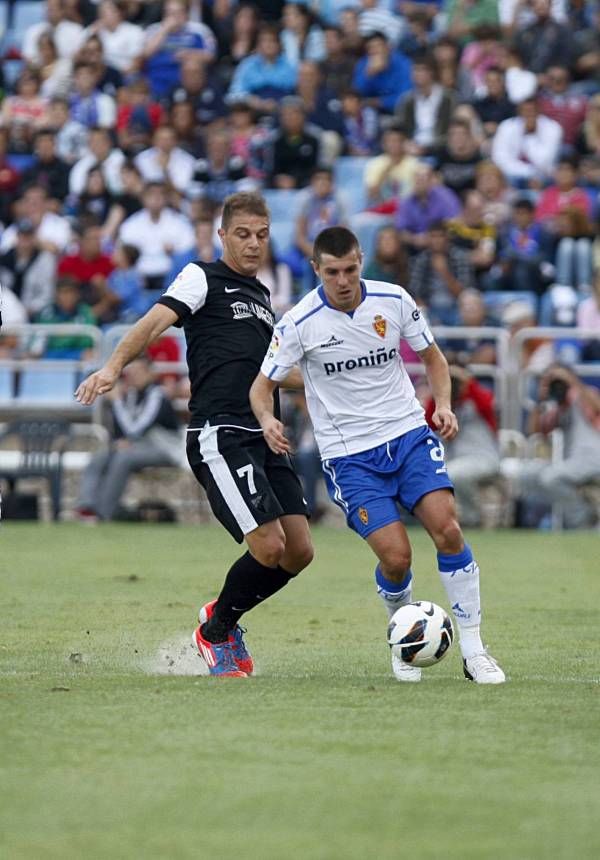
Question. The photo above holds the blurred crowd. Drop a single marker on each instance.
(473, 129)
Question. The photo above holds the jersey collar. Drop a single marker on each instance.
(323, 297)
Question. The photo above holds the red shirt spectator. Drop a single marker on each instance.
(555, 101)
(91, 268)
(564, 193)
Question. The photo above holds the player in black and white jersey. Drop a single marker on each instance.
(226, 314)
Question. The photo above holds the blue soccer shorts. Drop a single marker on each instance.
(369, 485)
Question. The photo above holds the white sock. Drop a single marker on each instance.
(460, 577)
(393, 594)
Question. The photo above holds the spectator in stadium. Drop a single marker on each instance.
(108, 79)
(457, 161)
(67, 306)
(70, 137)
(54, 71)
(493, 106)
(169, 42)
(87, 103)
(301, 37)
(136, 105)
(490, 182)
(586, 52)
(90, 267)
(567, 404)
(319, 207)
(426, 110)
(471, 349)
(204, 248)
(383, 75)
(446, 53)
(360, 125)
(237, 34)
(277, 277)
(573, 256)
(439, 274)
(295, 151)
(472, 457)
(101, 154)
(353, 42)
(122, 41)
(465, 18)
(588, 139)
(144, 433)
(323, 110)
(558, 101)
(53, 232)
(481, 54)
(471, 231)
(544, 42)
(157, 232)
(201, 86)
(188, 134)
(526, 147)
(25, 112)
(126, 283)
(588, 317)
(337, 67)
(28, 271)
(67, 34)
(416, 38)
(167, 163)
(266, 76)
(9, 178)
(49, 170)
(389, 177)
(96, 200)
(375, 18)
(220, 172)
(537, 353)
(564, 193)
(389, 261)
(428, 204)
(523, 254)
(127, 203)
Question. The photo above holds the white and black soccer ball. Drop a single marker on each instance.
(420, 633)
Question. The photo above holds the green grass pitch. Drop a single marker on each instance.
(322, 754)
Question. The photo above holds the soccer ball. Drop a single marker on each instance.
(420, 633)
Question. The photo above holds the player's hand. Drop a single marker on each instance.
(275, 436)
(98, 383)
(445, 423)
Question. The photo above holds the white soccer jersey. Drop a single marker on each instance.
(358, 392)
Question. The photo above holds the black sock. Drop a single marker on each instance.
(247, 584)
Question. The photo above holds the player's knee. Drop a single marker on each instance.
(449, 537)
(300, 555)
(396, 563)
(270, 550)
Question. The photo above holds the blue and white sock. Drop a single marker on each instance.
(393, 594)
(460, 576)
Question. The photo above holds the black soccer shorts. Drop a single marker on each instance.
(245, 482)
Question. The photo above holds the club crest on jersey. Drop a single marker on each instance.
(380, 325)
(363, 516)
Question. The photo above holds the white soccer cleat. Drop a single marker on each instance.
(483, 669)
(404, 672)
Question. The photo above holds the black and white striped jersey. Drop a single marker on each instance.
(228, 323)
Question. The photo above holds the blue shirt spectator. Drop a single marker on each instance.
(429, 204)
(383, 75)
(266, 75)
(127, 283)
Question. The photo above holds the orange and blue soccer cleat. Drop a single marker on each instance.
(218, 656)
(241, 655)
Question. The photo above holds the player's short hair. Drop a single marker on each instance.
(248, 202)
(337, 241)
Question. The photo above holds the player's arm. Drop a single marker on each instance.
(261, 401)
(294, 380)
(148, 328)
(438, 375)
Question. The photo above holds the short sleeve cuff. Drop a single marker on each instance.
(180, 308)
(274, 371)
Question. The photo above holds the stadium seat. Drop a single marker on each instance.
(366, 229)
(25, 13)
(349, 181)
(44, 385)
(282, 236)
(283, 204)
(6, 383)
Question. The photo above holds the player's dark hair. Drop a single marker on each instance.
(248, 202)
(337, 241)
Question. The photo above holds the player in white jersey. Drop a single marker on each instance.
(376, 447)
